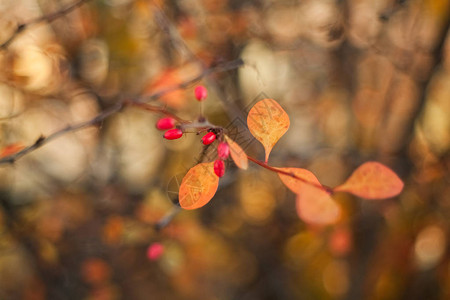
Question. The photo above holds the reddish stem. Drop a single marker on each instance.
(277, 170)
(206, 126)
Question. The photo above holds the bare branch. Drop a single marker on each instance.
(43, 19)
(231, 65)
(41, 141)
(165, 220)
(178, 43)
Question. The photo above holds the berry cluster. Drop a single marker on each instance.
(174, 132)
(169, 123)
(223, 151)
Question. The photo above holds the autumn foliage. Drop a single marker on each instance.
(268, 122)
(214, 149)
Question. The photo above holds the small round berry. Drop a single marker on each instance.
(154, 251)
(219, 167)
(223, 150)
(200, 93)
(173, 134)
(165, 123)
(209, 138)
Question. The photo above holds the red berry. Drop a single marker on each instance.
(223, 151)
(155, 251)
(200, 93)
(173, 134)
(165, 123)
(208, 138)
(219, 167)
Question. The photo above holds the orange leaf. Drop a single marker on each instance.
(198, 186)
(237, 154)
(268, 122)
(294, 184)
(167, 80)
(11, 149)
(372, 180)
(315, 206)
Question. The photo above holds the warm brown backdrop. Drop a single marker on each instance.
(360, 79)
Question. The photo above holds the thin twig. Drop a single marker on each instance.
(165, 220)
(177, 41)
(42, 19)
(115, 109)
(42, 140)
(231, 65)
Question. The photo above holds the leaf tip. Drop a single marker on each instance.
(372, 180)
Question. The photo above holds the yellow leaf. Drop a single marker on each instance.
(198, 186)
(237, 154)
(268, 122)
(372, 180)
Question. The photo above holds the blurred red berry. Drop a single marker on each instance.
(155, 251)
(219, 167)
(223, 151)
(208, 138)
(200, 93)
(165, 123)
(173, 134)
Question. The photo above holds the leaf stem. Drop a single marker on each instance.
(279, 171)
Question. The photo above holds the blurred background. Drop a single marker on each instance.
(360, 80)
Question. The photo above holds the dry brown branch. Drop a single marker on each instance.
(98, 119)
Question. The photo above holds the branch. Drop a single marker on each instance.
(180, 45)
(172, 34)
(165, 220)
(438, 55)
(43, 19)
(41, 141)
(231, 65)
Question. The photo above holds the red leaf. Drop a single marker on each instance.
(372, 180)
(198, 186)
